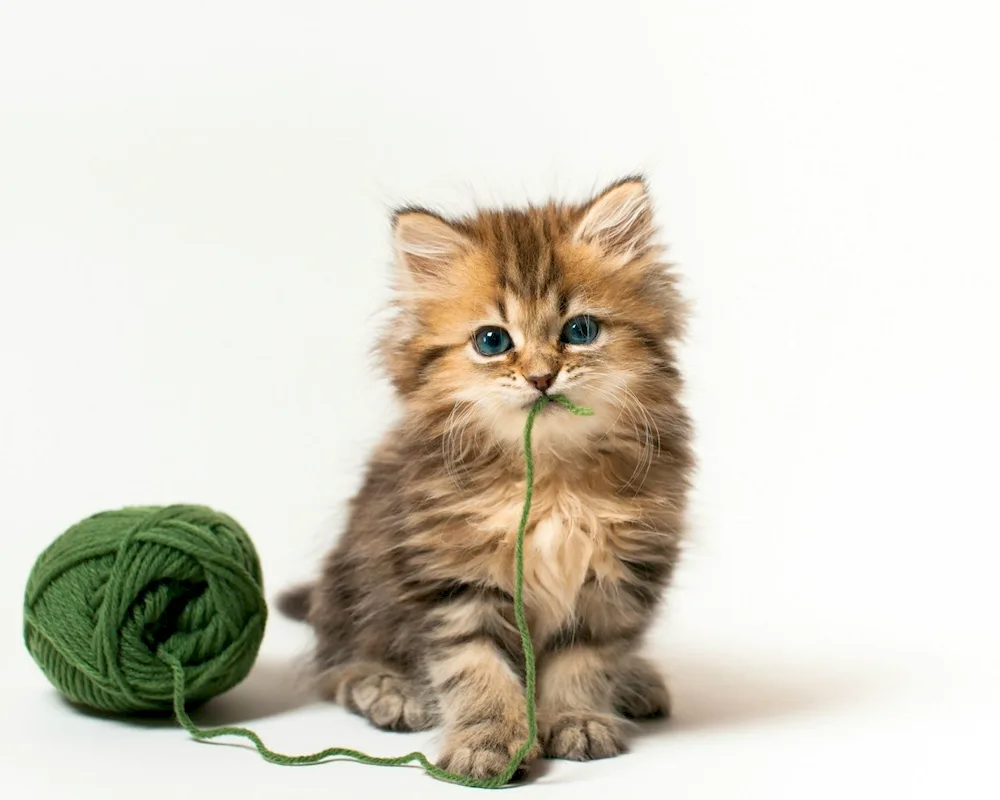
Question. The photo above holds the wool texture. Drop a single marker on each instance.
(118, 590)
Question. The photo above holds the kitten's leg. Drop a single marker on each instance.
(383, 696)
(576, 694)
(640, 691)
(471, 665)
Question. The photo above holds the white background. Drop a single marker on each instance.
(194, 248)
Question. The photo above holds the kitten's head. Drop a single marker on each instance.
(498, 307)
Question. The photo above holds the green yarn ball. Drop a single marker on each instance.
(122, 586)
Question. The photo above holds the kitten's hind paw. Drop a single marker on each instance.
(640, 691)
(385, 699)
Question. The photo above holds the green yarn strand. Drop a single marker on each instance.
(416, 757)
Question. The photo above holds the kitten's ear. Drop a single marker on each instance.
(426, 245)
(619, 220)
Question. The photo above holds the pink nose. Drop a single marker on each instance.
(542, 382)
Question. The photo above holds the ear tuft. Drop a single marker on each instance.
(619, 220)
(426, 244)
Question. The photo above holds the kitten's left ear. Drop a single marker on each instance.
(427, 246)
(619, 220)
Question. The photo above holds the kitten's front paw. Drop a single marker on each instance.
(485, 752)
(582, 736)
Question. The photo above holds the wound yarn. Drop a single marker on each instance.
(117, 591)
(158, 608)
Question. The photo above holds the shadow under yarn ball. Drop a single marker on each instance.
(119, 594)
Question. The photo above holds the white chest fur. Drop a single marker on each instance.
(558, 556)
(571, 537)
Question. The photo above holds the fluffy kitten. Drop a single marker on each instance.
(413, 611)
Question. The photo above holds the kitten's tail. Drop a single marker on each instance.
(296, 602)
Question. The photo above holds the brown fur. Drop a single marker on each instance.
(413, 611)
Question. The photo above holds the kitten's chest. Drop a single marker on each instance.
(568, 540)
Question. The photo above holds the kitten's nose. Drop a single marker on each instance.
(542, 382)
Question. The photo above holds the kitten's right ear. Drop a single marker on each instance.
(426, 245)
(619, 220)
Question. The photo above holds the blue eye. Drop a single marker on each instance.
(580, 330)
(492, 341)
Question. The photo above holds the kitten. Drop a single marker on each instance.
(413, 611)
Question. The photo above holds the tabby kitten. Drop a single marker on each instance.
(413, 610)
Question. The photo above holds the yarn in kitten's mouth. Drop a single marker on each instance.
(554, 401)
(530, 405)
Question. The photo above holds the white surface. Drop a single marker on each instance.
(193, 245)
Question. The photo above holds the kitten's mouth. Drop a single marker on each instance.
(552, 404)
